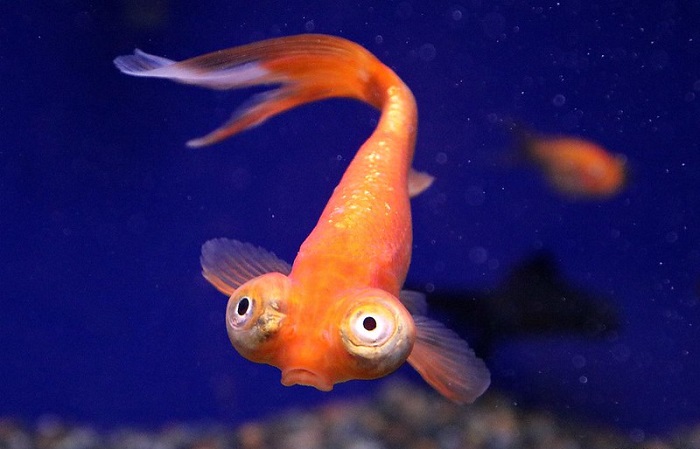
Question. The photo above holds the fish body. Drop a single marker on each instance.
(575, 167)
(338, 313)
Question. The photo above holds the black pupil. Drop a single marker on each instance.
(243, 305)
(369, 323)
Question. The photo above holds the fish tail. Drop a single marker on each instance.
(306, 68)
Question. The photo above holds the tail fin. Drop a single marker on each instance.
(307, 68)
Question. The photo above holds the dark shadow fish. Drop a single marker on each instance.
(534, 300)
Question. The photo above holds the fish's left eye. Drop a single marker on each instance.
(378, 332)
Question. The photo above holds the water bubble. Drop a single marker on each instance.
(493, 25)
(404, 10)
(559, 100)
(578, 361)
(478, 255)
(427, 52)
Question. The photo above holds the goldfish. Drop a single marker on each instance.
(338, 313)
(573, 166)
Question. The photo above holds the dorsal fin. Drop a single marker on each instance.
(227, 264)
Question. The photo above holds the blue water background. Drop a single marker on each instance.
(105, 317)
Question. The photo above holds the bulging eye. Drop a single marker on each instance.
(255, 312)
(378, 332)
(371, 328)
(241, 310)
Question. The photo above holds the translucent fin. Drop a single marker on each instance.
(223, 77)
(252, 113)
(414, 302)
(227, 264)
(308, 67)
(447, 363)
(418, 182)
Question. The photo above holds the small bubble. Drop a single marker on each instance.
(404, 10)
(658, 59)
(441, 158)
(309, 26)
(378, 39)
(429, 287)
(456, 15)
(578, 361)
(690, 96)
(559, 100)
(583, 379)
(427, 52)
(493, 25)
(478, 255)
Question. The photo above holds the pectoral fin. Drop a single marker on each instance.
(227, 264)
(418, 182)
(447, 363)
(414, 302)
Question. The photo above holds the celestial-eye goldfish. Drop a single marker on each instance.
(575, 167)
(338, 313)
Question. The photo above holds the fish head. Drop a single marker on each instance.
(362, 334)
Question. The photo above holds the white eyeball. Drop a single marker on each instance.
(372, 329)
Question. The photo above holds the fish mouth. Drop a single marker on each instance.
(301, 376)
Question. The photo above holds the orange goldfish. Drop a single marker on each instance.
(575, 167)
(338, 313)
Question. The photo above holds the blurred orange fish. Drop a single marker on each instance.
(575, 167)
(338, 313)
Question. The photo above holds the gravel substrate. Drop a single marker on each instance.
(400, 417)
